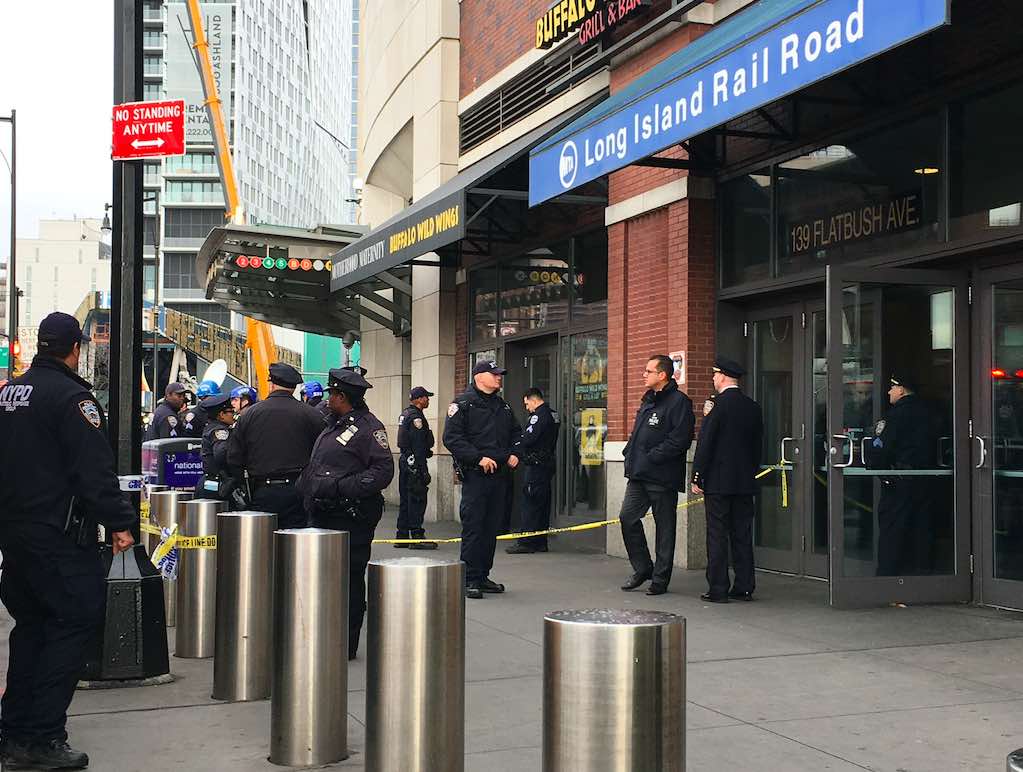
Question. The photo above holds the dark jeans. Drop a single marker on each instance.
(536, 504)
(483, 510)
(905, 535)
(282, 500)
(55, 592)
(412, 503)
(639, 497)
(729, 524)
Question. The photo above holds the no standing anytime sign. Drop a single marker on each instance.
(148, 130)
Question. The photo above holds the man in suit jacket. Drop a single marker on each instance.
(726, 462)
(655, 465)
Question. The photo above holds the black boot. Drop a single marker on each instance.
(56, 754)
(422, 545)
(402, 535)
(14, 754)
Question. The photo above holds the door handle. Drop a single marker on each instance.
(863, 449)
(942, 442)
(983, 451)
(834, 450)
(784, 460)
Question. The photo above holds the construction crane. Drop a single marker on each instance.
(259, 337)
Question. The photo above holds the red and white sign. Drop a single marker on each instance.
(148, 130)
(678, 359)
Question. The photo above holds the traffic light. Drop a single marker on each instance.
(16, 358)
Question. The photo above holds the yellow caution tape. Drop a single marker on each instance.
(196, 542)
(784, 489)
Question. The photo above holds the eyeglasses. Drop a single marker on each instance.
(650, 372)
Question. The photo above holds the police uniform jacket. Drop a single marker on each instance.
(166, 423)
(904, 439)
(54, 447)
(193, 421)
(660, 438)
(535, 446)
(480, 425)
(415, 438)
(728, 452)
(275, 436)
(214, 449)
(351, 460)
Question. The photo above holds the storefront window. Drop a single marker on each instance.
(987, 160)
(483, 302)
(589, 297)
(746, 229)
(861, 198)
(534, 290)
(589, 423)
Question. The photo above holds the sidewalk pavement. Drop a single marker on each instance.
(784, 684)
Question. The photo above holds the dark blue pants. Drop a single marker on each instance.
(55, 592)
(639, 497)
(412, 503)
(283, 501)
(536, 504)
(484, 508)
(729, 528)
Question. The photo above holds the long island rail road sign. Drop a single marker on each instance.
(148, 130)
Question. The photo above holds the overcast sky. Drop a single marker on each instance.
(56, 70)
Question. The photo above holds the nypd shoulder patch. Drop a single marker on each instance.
(452, 409)
(172, 421)
(380, 435)
(401, 419)
(90, 412)
(221, 434)
(534, 419)
(879, 428)
(417, 422)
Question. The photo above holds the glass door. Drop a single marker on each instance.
(898, 486)
(997, 462)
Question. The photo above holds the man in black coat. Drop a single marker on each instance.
(655, 465)
(342, 486)
(57, 481)
(904, 439)
(271, 446)
(726, 462)
(480, 432)
(535, 447)
(415, 441)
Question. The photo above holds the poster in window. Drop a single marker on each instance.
(591, 436)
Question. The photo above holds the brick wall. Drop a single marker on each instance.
(493, 35)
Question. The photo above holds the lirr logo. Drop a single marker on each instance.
(568, 164)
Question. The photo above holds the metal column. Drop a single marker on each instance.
(244, 626)
(309, 704)
(415, 665)
(1014, 761)
(162, 512)
(197, 582)
(614, 691)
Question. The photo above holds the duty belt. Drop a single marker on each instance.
(277, 479)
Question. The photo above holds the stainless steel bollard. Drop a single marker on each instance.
(614, 691)
(244, 626)
(166, 509)
(1014, 761)
(415, 665)
(309, 700)
(197, 582)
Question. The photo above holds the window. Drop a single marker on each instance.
(589, 279)
(151, 65)
(194, 191)
(483, 304)
(152, 38)
(191, 223)
(746, 228)
(179, 271)
(192, 163)
(534, 290)
(151, 91)
(209, 312)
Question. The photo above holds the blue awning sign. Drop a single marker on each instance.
(814, 44)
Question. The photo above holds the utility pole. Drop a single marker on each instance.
(12, 263)
(126, 275)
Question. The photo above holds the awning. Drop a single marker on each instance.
(771, 50)
(279, 275)
(439, 221)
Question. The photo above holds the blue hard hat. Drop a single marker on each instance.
(245, 391)
(312, 389)
(207, 389)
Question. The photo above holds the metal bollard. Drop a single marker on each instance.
(244, 626)
(197, 582)
(166, 509)
(415, 665)
(614, 691)
(1014, 761)
(309, 700)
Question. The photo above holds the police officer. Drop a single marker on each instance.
(535, 448)
(904, 439)
(242, 397)
(216, 483)
(655, 465)
(193, 416)
(480, 432)
(415, 441)
(57, 482)
(726, 462)
(351, 464)
(270, 447)
(166, 421)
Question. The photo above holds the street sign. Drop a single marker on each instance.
(148, 130)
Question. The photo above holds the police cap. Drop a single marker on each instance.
(903, 379)
(419, 391)
(59, 332)
(347, 381)
(728, 367)
(174, 388)
(356, 369)
(216, 403)
(284, 375)
(488, 367)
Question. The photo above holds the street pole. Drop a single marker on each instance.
(156, 297)
(12, 263)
